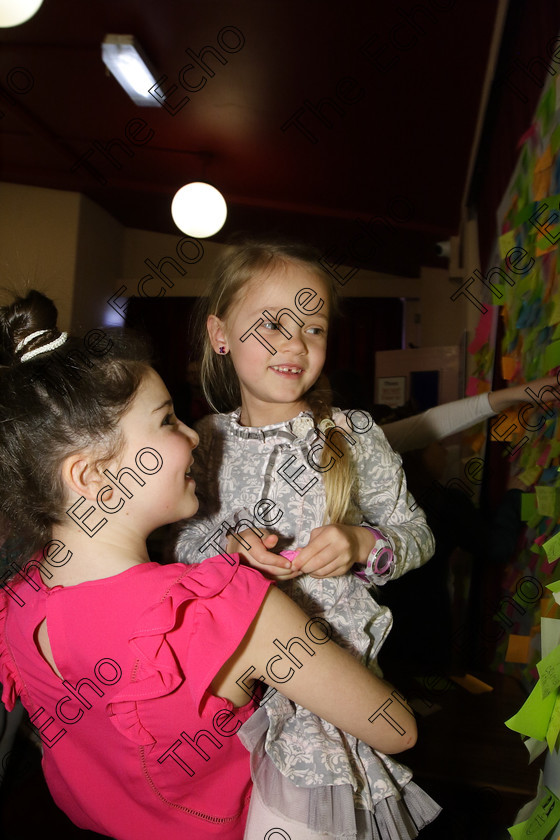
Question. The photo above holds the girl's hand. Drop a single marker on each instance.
(271, 565)
(506, 397)
(333, 550)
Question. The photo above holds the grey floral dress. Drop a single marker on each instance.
(266, 477)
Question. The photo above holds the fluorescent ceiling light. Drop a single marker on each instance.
(127, 62)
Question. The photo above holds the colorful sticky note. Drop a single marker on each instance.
(554, 725)
(547, 499)
(506, 242)
(509, 366)
(555, 139)
(518, 648)
(471, 390)
(528, 505)
(549, 672)
(483, 330)
(531, 475)
(552, 548)
(554, 316)
(541, 175)
(478, 442)
(552, 356)
(472, 684)
(554, 586)
(550, 632)
(534, 747)
(533, 717)
(554, 448)
(545, 110)
(542, 460)
(548, 610)
(541, 822)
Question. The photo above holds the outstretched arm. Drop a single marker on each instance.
(448, 419)
(329, 681)
(506, 397)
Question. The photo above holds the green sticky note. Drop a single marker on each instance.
(555, 140)
(552, 548)
(506, 242)
(554, 448)
(554, 586)
(533, 717)
(547, 500)
(541, 822)
(533, 471)
(549, 672)
(532, 523)
(552, 355)
(546, 108)
(528, 506)
(555, 313)
(554, 725)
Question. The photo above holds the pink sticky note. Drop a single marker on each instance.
(544, 457)
(472, 387)
(482, 333)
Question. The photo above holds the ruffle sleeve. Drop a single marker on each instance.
(187, 636)
(10, 681)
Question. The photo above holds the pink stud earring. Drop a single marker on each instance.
(221, 349)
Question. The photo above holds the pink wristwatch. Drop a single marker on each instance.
(380, 559)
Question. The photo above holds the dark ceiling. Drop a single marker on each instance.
(314, 119)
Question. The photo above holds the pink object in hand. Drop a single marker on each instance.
(289, 555)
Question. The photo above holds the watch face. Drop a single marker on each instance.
(383, 558)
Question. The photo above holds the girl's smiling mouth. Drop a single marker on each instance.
(287, 370)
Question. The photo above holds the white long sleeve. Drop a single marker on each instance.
(437, 423)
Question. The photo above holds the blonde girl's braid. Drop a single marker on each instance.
(339, 480)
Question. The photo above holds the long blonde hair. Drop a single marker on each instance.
(238, 266)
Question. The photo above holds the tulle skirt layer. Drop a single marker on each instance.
(327, 811)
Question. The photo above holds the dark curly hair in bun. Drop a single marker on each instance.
(58, 402)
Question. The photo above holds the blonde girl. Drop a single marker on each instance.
(282, 469)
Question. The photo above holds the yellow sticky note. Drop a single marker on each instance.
(552, 548)
(506, 425)
(518, 648)
(472, 684)
(506, 242)
(509, 364)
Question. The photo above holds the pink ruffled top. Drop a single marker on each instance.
(135, 743)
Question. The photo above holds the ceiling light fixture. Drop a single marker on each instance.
(14, 12)
(126, 60)
(199, 209)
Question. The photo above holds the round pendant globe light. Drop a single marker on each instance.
(14, 12)
(199, 209)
